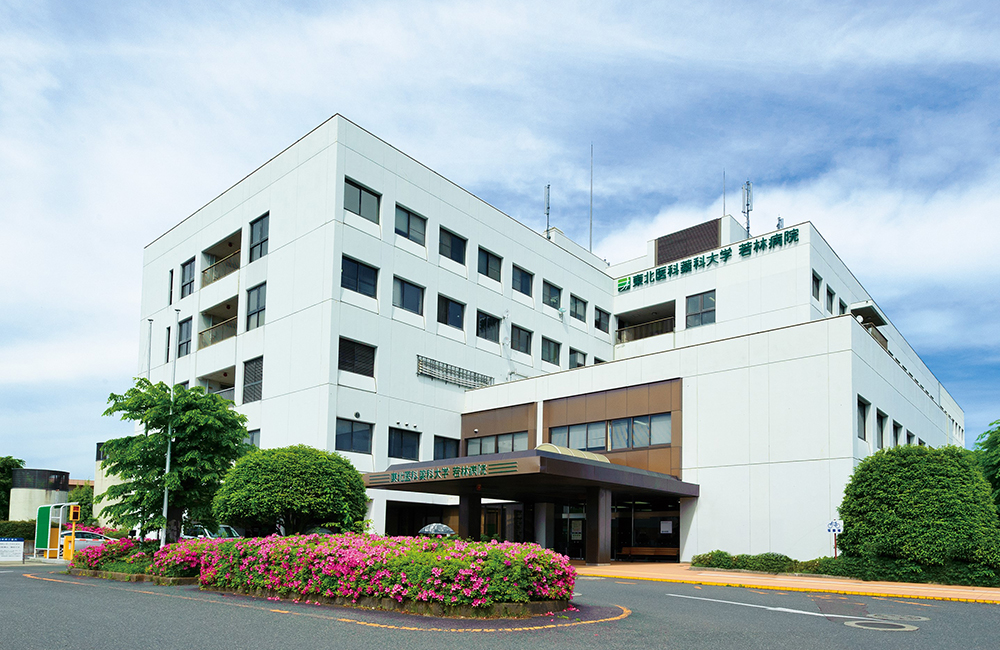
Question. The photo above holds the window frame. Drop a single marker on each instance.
(480, 316)
(452, 237)
(170, 289)
(187, 285)
(255, 313)
(863, 411)
(410, 216)
(406, 287)
(346, 259)
(401, 446)
(547, 289)
(444, 302)
(362, 191)
(353, 447)
(574, 308)
(184, 344)
(167, 355)
(440, 442)
(843, 308)
(518, 277)
(831, 295)
(578, 353)
(817, 285)
(354, 363)
(516, 333)
(598, 320)
(250, 386)
(258, 239)
(558, 350)
(491, 262)
(700, 313)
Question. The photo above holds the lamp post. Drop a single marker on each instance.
(170, 430)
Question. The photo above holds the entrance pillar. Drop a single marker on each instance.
(545, 524)
(598, 526)
(469, 516)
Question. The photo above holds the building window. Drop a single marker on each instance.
(843, 307)
(660, 429)
(817, 283)
(167, 355)
(577, 358)
(408, 296)
(184, 338)
(910, 438)
(578, 308)
(626, 433)
(256, 299)
(551, 295)
(602, 319)
(253, 438)
(354, 436)
(356, 357)
(863, 419)
(170, 289)
(361, 201)
(880, 421)
(445, 448)
(498, 444)
(452, 246)
(489, 264)
(597, 361)
(521, 281)
(187, 278)
(701, 309)
(897, 433)
(358, 276)
(550, 351)
(830, 296)
(520, 339)
(253, 379)
(450, 312)
(404, 444)
(487, 327)
(258, 237)
(409, 225)
(621, 433)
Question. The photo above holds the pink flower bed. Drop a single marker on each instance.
(449, 572)
(95, 557)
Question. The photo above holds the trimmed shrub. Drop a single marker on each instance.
(714, 559)
(183, 559)
(768, 562)
(22, 529)
(445, 571)
(96, 558)
(928, 507)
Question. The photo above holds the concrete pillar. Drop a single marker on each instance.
(598, 526)
(469, 516)
(545, 524)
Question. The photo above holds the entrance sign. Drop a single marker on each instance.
(11, 549)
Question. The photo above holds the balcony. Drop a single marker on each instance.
(221, 269)
(646, 322)
(217, 333)
(221, 383)
(226, 393)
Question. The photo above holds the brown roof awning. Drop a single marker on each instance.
(526, 476)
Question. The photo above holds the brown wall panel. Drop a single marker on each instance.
(638, 459)
(616, 404)
(554, 414)
(661, 397)
(597, 407)
(676, 436)
(659, 460)
(637, 400)
(576, 409)
(675, 461)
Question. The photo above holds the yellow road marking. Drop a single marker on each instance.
(625, 612)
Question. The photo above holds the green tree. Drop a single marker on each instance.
(7, 466)
(928, 506)
(84, 495)
(208, 436)
(295, 487)
(988, 450)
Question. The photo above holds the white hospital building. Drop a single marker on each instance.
(716, 392)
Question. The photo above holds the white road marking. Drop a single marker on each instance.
(770, 609)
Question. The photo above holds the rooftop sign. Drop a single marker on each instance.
(721, 257)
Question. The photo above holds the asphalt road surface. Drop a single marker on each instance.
(41, 608)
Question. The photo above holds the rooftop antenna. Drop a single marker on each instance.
(547, 211)
(747, 202)
(591, 249)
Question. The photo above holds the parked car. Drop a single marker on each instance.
(197, 531)
(84, 539)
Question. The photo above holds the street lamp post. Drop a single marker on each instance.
(170, 430)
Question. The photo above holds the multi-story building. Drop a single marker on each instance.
(347, 297)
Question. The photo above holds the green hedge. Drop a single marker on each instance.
(23, 529)
(952, 572)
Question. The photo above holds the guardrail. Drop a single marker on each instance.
(221, 269)
(224, 330)
(645, 330)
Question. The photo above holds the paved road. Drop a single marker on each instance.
(47, 609)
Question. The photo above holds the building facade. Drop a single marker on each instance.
(719, 390)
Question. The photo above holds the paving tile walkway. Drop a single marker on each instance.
(685, 573)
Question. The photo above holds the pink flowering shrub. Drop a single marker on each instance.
(451, 572)
(183, 559)
(95, 558)
(100, 530)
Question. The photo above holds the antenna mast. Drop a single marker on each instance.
(747, 202)
(591, 249)
(547, 211)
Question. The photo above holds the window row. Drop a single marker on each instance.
(883, 437)
(356, 437)
(497, 444)
(365, 203)
(622, 433)
(831, 295)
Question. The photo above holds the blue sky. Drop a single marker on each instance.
(878, 124)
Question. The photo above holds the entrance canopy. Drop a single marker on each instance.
(528, 476)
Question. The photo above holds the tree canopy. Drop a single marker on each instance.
(295, 487)
(926, 505)
(988, 448)
(7, 466)
(84, 495)
(208, 436)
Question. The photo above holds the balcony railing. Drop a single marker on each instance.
(221, 269)
(451, 374)
(224, 330)
(645, 330)
(226, 393)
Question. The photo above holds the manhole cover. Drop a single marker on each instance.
(882, 626)
(898, 617)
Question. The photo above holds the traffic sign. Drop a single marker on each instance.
(836, 527)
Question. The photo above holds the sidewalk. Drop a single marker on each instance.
(684, 573)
